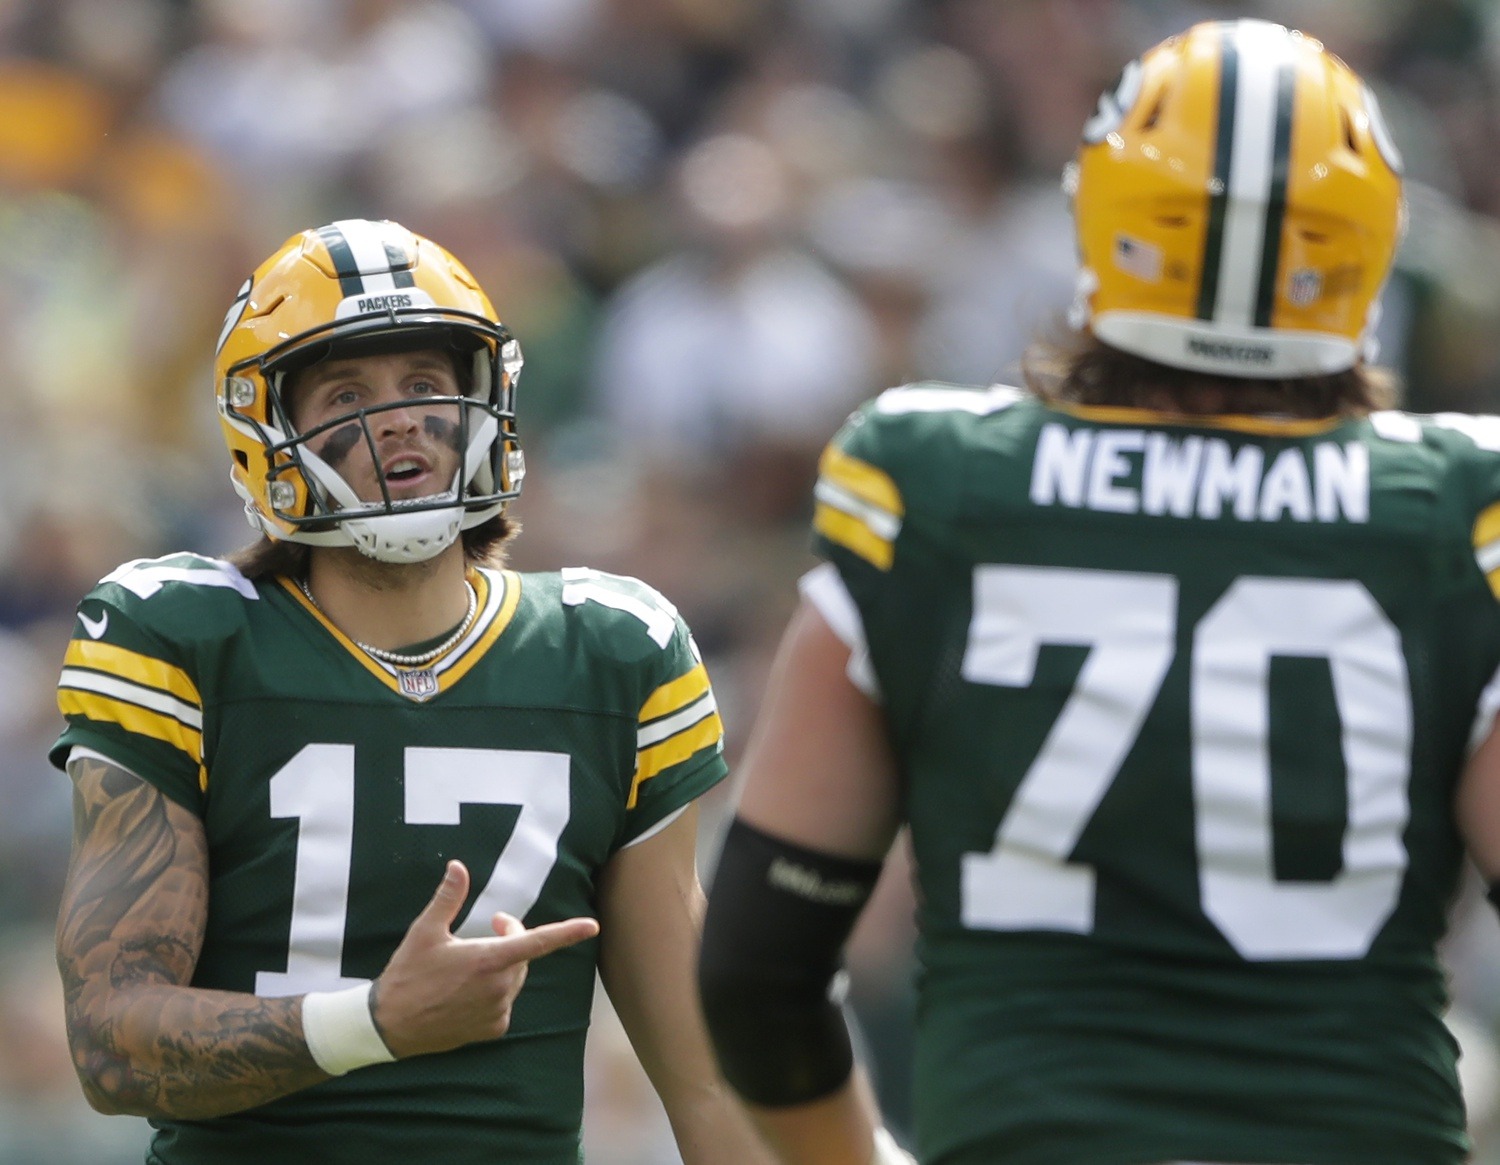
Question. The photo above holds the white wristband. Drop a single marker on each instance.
(340, 1031)
(888, 1152)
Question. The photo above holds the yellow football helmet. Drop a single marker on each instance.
(363, 283)
(1238, 202)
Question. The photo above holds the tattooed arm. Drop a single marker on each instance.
(131, 927)
(132, 922)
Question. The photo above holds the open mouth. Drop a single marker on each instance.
(405, 469)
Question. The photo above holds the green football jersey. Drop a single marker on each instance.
(573, 718)
(1179, 711)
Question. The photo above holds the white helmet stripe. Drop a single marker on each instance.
(378, 266)
(1255, 112)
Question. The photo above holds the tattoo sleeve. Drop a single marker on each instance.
(128, 936)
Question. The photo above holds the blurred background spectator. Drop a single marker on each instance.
(715, 225)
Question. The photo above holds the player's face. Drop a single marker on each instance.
(416, 444)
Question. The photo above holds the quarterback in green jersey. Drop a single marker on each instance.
(277, 758)
(1180, 666)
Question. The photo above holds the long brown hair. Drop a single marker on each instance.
(1080, 369)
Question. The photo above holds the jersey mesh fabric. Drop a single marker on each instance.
(1140, 750)
(326, 786)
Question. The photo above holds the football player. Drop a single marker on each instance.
(1180, 668)
(277, 757)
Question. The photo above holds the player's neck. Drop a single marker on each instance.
(389, 605)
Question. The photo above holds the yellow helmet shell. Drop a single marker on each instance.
(1238, 203)
(356, 279)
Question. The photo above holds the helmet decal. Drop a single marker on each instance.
(1382, 133)
(232, 316)
(1114, 104)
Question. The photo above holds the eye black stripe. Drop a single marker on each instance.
(1270, 257)
(350, 281)
(1218, 199)
(400, 263)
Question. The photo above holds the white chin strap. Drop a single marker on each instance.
(392, 535)
(398, 537)
(387, 535)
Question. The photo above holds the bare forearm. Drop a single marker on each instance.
(836, 1130)
(710, 1125)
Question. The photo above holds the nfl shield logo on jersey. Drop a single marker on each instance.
(419, 683)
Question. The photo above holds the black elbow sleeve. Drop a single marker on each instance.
(778, 918)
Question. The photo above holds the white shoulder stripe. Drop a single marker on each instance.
(124, 690)
(881, 522)
(659, 730)
(1394, 425)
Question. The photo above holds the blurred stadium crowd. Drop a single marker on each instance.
(715, 225)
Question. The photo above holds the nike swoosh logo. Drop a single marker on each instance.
(94, 627)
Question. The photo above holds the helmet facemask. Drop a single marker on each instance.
(291, 480)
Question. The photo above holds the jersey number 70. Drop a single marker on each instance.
(1129, 622)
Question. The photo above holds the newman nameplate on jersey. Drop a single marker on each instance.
(1131, 471)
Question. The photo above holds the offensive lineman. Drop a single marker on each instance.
(1180, 668)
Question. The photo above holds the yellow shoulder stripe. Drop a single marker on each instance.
(131, 665)
(1487, 526)
(675, 694)
(132, 718)
(853, 534)
(865, 481)
(1487, 545)
(650, 761)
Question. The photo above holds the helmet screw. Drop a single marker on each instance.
(283, 495)
(241, 392)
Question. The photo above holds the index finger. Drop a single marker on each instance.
(526, 944)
